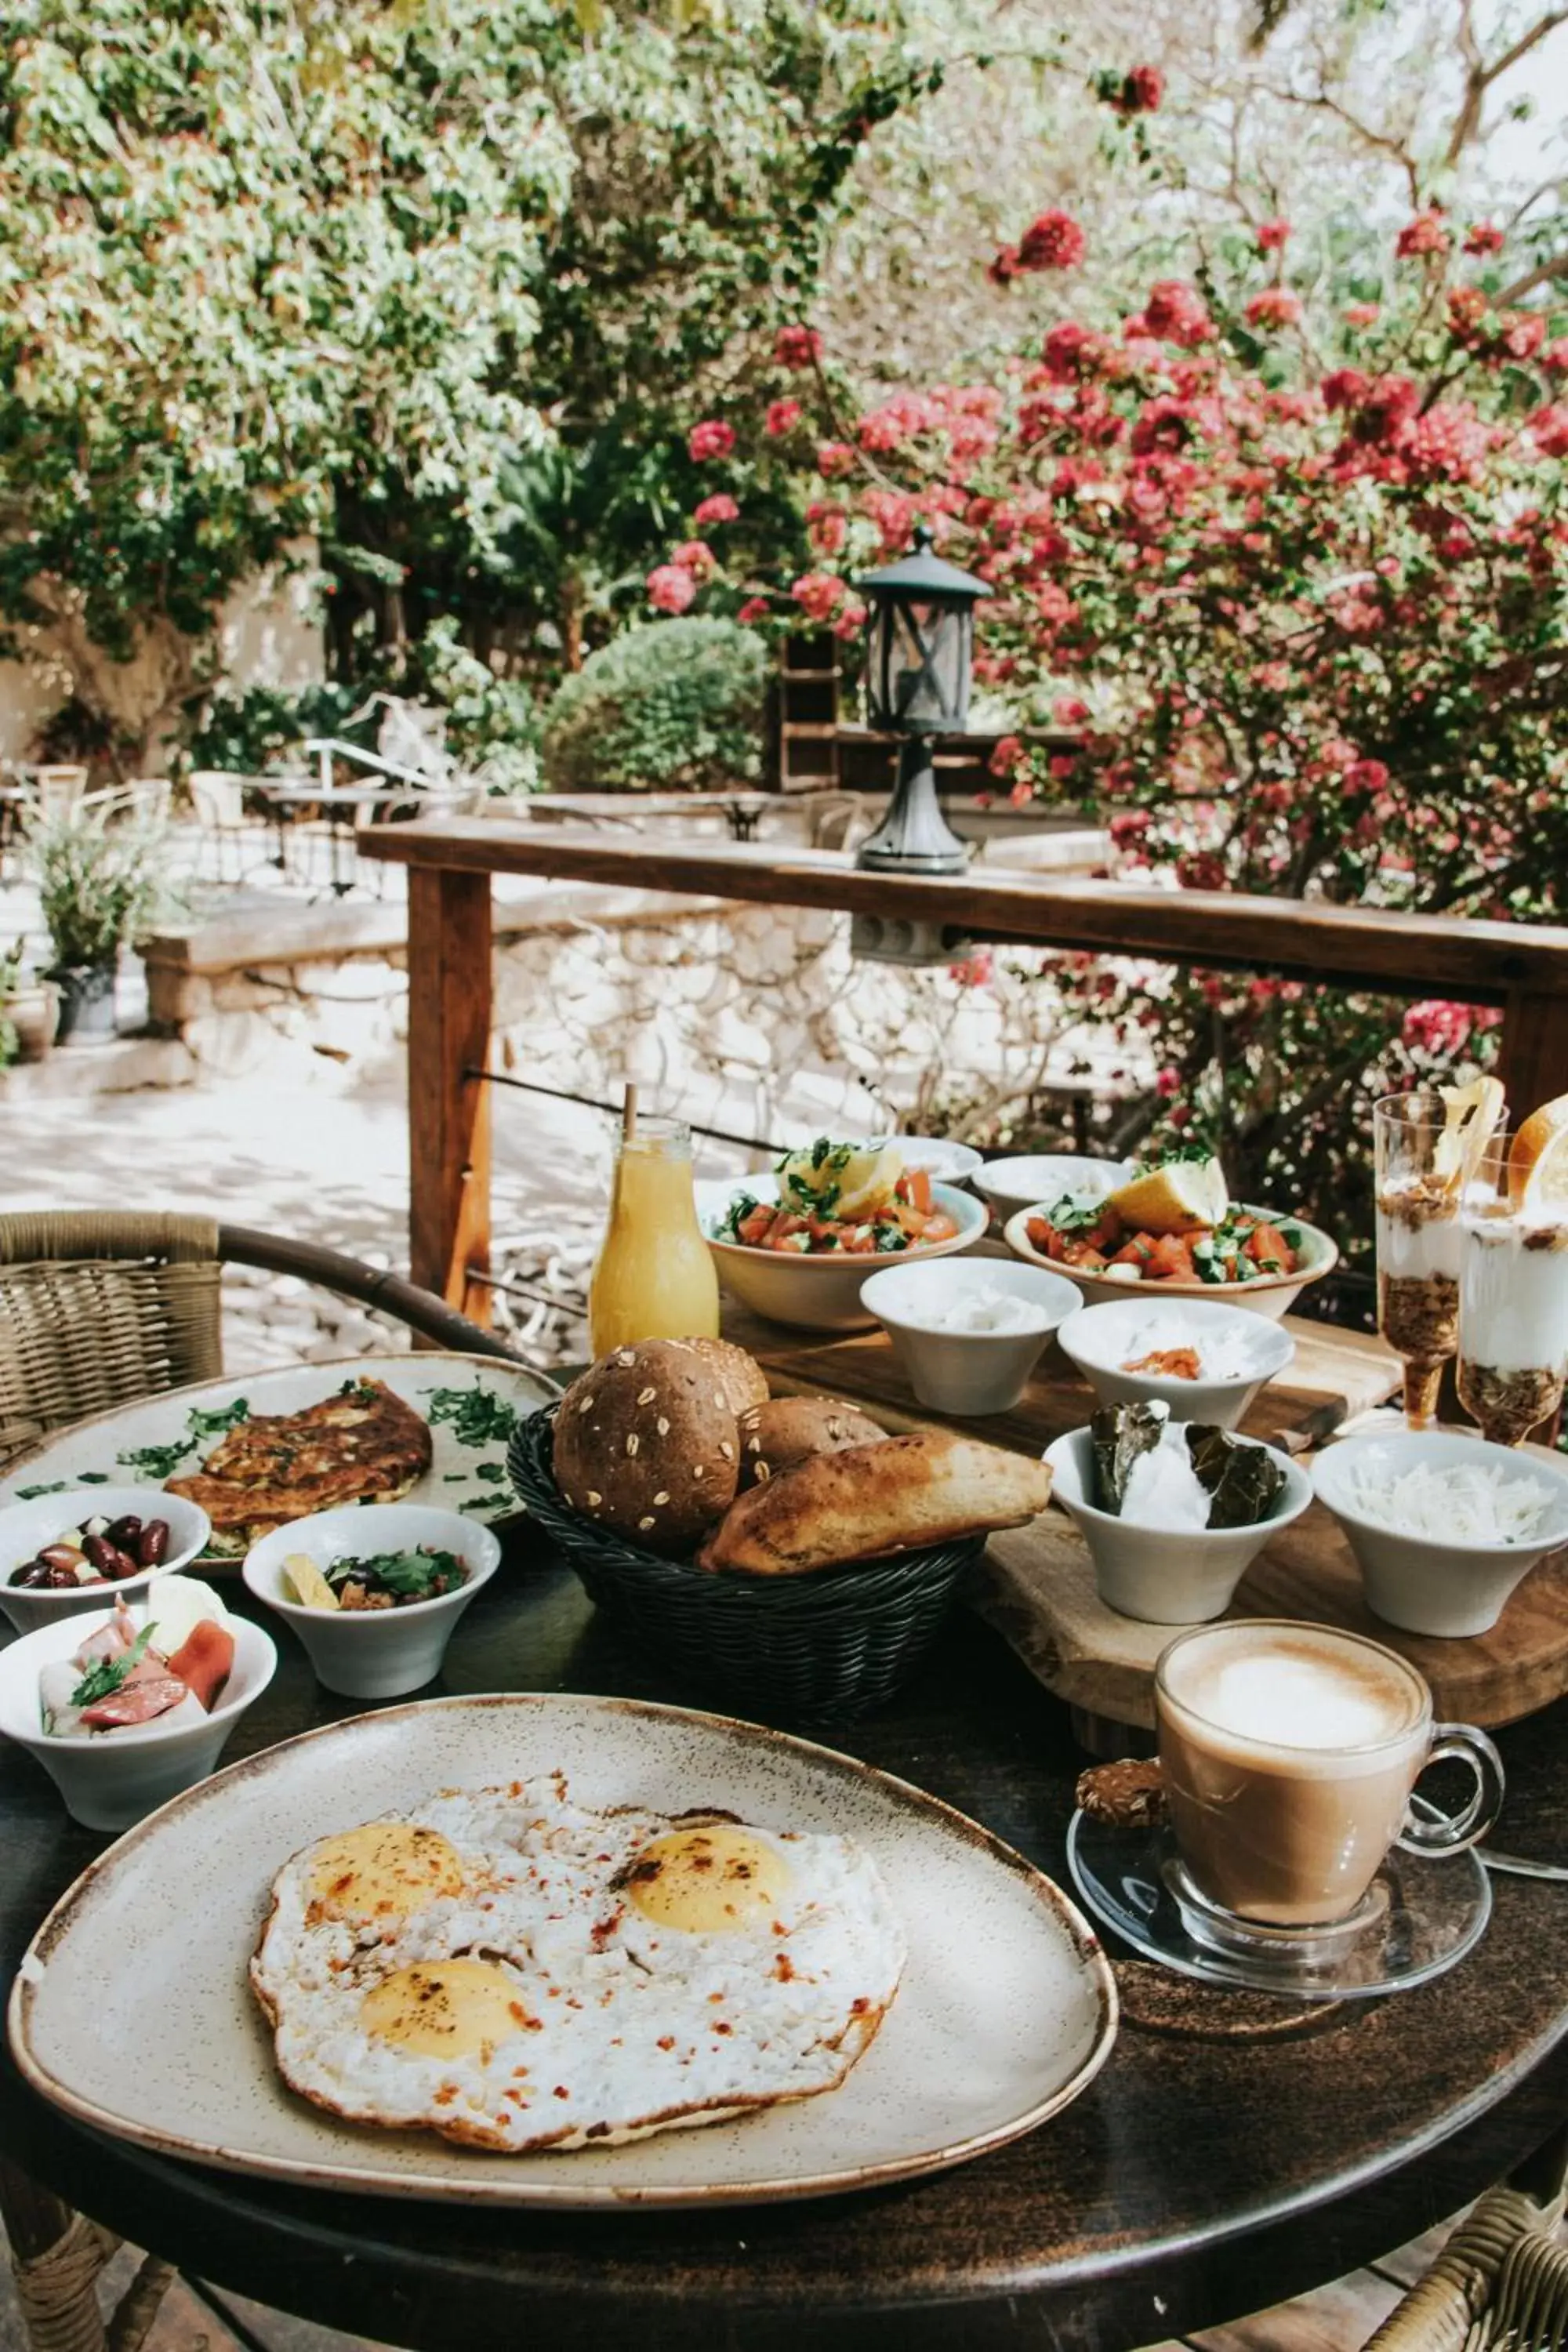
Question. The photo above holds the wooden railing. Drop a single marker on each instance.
(1522, 967)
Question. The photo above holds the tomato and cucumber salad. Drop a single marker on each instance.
(841, 1199)
(1093, 1237)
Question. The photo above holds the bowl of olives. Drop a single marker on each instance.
(77, 1548)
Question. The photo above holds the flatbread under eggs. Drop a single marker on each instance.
(519, 1972)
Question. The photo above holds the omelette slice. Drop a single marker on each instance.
(362, 1444)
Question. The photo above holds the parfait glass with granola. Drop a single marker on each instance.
(1513, 1281)
(1428, 1145)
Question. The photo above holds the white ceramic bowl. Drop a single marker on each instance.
(1273, 1294)
(1451, 1589)
(944, 1162)
(109, 1781)
(1100, 1339)
(1031, 1176)
(1164, 1578)
(818, 1294)
(373, 1652)
(966, 1371)
(25, 1528)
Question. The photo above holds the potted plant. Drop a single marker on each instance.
(30, 1011)
(100, 884)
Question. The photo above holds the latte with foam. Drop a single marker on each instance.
(1289, 1753)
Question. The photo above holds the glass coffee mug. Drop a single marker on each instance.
(1289, 1753)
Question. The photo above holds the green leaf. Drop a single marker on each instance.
(107, 1674)
(477, 1416)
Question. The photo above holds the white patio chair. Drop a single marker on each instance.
(220, 800)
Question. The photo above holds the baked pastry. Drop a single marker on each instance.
(646, 1442)
(740, 1376)
(1128, 1795)
(786, 1430)
(872, 1500)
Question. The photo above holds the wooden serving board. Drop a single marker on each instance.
(1037, 1586)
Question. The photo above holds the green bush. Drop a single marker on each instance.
(102, 881)
(676, 705)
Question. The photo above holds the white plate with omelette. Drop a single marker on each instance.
(511, 1949)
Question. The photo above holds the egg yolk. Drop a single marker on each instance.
(444, 2009)
(705, 1880)
(385, 1867)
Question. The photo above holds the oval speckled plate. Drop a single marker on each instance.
(1006, 2011)
(472, 1405)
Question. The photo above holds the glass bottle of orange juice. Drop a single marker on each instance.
(653, 1278)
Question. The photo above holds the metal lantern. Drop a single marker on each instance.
(920, 639)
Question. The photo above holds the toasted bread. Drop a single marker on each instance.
(868, 1501)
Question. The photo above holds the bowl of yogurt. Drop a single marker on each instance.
(968, 1332)
(1206, 1361)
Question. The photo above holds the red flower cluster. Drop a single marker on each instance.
(1549, 430)
(797, 347)
(670, 588)
(1178, 313)
(1427, 234)
(1054, 241)
(1484, 238)
(818, 595)
(720, 508)
(711, 438)
(694, 555)
(834, 458)
(1271, 234)
(1276, 306)
(782, 418)
(1140, 91)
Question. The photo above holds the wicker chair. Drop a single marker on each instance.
(1500, 2283)
(99, 1309)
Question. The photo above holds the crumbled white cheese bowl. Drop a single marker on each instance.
(1443, 1525)
(1238, 1354)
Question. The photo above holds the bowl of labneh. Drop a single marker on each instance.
(1444, 1525)
(968, 1332)
(1173, 1512)
(1205, 1361)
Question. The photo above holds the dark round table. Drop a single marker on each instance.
(1224, 2159)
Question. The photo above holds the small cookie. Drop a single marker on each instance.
(1128, 1795)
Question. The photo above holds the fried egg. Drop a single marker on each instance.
(517, 1972)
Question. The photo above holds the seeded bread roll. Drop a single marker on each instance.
(646, 1442)
(870, 1500)
(786, 1430)
(740, 1376)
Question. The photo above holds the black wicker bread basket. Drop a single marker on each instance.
(803, 1649)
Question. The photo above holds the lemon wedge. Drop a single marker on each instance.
(1183, 1197)
(1538, 1161)
(306, 1582)
(1470, 1117)
(847, 1180)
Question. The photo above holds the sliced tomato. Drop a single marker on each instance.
(1043, 1236)
(939, 1226)
(1171, 1260)
(1138, 1251)
(756, 1225)
(1077, 1251)
(1267, 1245)
(914, 1187)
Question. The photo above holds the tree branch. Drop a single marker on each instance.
(1479, 76)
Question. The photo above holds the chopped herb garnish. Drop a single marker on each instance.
(94, 1478)
(107, 1674)
(490, 1503)
(49, 1487)
(406, 1575)
(157, 1461)
(477, 1416)
(217, 1420)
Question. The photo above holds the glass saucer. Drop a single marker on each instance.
(1420, 1916)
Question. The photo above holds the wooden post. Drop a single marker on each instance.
(448, 1110)
(1533, 1064)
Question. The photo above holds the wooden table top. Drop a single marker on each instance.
(1225, 2157)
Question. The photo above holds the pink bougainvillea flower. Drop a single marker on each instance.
(781, 415)
(827, 526)
(1345, 388)
(1386, 408)
(1276, 306)
(797, 347)
(1438, 1025)
(1271, 234)
(1553, 357)
(834, 458)
(1365, 776)
(819, 594)
(711, 438)
(694, 555)
(1054, 241)
(1362, 314)
(1005, 754)
(670, 588)
(851, 620)
(1178, 313)
(975, 970)
(720, 508)
(1484, 237)
(755, 608)
(1427, 234)
(1549, 430)
(1069, 711)
(1005, 267)
(1524, 332)
(1168, 1081)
